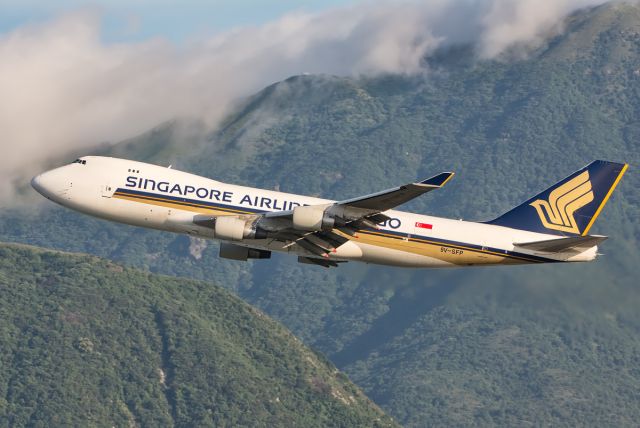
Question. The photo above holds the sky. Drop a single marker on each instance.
(176, 20)
(75, 74)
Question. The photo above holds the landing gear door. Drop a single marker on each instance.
(107, 190)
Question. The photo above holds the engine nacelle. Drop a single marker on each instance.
(230, 228)
(312, 218)
(236, 252)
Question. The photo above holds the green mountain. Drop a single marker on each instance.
(86, 342)
(554, 345)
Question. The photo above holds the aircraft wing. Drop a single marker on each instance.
(391, 198)
(321, 229)
(349, 215)
(370, 206)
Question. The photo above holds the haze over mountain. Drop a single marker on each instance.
(540, 345)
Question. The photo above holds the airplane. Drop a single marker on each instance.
(550, 227)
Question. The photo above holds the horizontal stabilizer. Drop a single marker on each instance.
(574, 243)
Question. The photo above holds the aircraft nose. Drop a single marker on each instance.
(37, 183)
(51, 184)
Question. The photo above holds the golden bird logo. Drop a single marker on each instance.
(557, 212)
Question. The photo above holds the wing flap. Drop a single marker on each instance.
(319, 262)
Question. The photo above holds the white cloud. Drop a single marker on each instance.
(63, 88)
(523, 22)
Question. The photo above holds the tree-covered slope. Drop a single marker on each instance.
(532, 344)
(85, 342)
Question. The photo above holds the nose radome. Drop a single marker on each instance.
(52, 184)
(36, 183)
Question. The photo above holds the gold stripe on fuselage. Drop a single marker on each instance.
(455, 254)
(186, 206)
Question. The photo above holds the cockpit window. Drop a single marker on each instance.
(81, 161)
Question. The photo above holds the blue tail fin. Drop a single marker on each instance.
(569, 207)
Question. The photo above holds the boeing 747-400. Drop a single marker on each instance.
(552, 226)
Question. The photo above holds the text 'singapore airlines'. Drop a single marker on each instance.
(552, 226)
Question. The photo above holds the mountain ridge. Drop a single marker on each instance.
(87, 341)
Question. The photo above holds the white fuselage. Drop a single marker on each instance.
(151, 196)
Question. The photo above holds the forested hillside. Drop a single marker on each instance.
(534, 345)
(85, 342)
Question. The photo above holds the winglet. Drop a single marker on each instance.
(438, 180)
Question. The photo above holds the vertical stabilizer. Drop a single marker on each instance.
(569, 207)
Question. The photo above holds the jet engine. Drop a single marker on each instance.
(236, 252)
(232, 228)
(312, 218)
